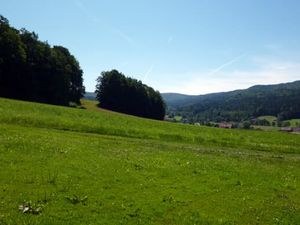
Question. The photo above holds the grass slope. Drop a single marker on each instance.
(294, 122)
(99, 167)
(270, 119)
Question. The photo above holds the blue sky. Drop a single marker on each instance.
(186, 46)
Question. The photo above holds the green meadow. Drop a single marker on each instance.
(61, 165)
(270, 119)
(294, 122)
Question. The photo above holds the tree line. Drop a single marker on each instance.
(123, 94)
(33, 70)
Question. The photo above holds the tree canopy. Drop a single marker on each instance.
(123, 94)
(33, 70)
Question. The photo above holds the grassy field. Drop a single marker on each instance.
(294, 122)
(266, 128)
(178, 118)
(268, 118)
(90, 166)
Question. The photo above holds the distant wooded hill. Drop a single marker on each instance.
(281, 100)
(90, 95)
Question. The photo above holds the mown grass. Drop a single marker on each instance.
(110, 123)
(294, 122)
(178, 118)
(270, 119)
(266, 128)
(79, 170)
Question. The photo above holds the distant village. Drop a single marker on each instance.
(256, 124)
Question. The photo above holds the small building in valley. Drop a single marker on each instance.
(286, 129)
(225, 125)
(296, 129)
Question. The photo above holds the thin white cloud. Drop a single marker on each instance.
(79, 4)
(273, 48)
(267, 73)
(170, 40)
(149, 70)
(125, 63)
(230, 62)
(122, 35)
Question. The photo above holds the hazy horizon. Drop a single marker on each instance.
(189, 47)
(218, 91)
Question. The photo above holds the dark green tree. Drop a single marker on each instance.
(33, 70)
(12, 59)
(116, 92)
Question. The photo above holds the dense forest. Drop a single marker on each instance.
(33, 70)
(282, 101)
(123, 94)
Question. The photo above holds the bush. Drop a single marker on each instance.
(246, 125)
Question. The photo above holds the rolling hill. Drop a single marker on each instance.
(90, 95)
(62, 165)
(275, 100)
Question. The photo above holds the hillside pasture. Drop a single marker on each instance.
(270, 119)
(76, 166)
(294, 122)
